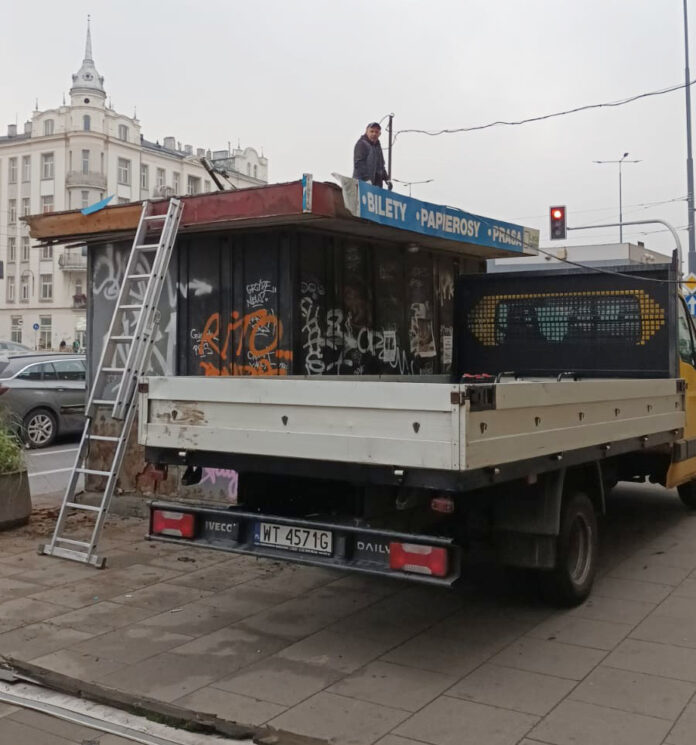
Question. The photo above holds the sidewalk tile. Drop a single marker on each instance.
(78, 665)
(577, 723)
(393, 685)
(12, 587)
(100, 617)
(441, 655)
(684, 730)
(23, 611)
(451, 721)
(631, 589)
(80, 594)
(215, 578)
(339, 719)
(342, 652)
(639, 693)
(584, 632)
(678, 607)
(667, 630)
(6, 710)
(237, 646)
(38, 639)
(54, 725)
(161, 597)
(666, 660)
(615, 610)
(192, 619)
(14, 733)
(131, 644)
(397, 740)
(505, 687)
(279, 681)
(550, 658)
(141, 575)
(243, 600)
(647, 570)
(231, 706)
(687, 589)
(55, 572)
(292, 579)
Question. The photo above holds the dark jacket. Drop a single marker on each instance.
(368, 162)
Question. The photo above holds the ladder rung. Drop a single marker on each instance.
(93, 471)
(130, 307)
(147, 246)
(104, 401)
(80, 506)
(113, 369)
(156, 217)
(121, 337)
(73, 542)
(104, 438)
(138, 276)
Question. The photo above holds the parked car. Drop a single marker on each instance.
(13, 346)
(43, 393)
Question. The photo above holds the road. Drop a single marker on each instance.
(49, 469)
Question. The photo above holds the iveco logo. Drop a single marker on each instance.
(219, 527)
(375, 548)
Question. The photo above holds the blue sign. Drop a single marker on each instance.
(399, 211)
(35, 327)
(691, 303)
(97, 205)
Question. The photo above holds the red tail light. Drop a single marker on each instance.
(419, 559)
(180, 524)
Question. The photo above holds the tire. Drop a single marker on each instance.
(39, 428)
(687, 494)
(570, 582)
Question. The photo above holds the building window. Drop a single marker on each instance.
(85, 161)
(24, 289)
(47, 165)
(124, 171)
(256, 171)
(123, 132)
(161, 178)
(193, 185)
(144, 177)
(12, 249)
(25, 248)
(12, 171)
(46, 286)
(47, 203)
(26, 206)
(86, 122)
(16, 329)
(207, 186)
(176, 182)
(12, 209)
(45, 332)
(78, 287)
(123, 200)
(84, 198)
(10, 289)
(26, 168)
(48, 127)
(47, 253)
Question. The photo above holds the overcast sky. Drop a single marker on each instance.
(301, 78)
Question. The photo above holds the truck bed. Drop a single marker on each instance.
(405, 422)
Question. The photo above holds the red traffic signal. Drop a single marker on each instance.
(557, 223)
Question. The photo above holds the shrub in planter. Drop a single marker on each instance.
(15, 501)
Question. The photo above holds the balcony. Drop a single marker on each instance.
(72, 262)
(90, 179)
(79, 302)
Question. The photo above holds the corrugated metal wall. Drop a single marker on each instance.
(288, 302)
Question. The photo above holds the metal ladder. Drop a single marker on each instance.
(129, 340)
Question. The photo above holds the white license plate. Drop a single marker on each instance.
(291, 538)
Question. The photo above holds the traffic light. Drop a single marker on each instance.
(557, 223)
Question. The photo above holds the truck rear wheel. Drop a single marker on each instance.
(687, 494)
(570, 582)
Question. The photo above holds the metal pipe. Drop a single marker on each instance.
(389, 151)
(689, 154)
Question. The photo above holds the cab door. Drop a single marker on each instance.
(685, 470)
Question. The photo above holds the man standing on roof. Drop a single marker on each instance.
(368, 159)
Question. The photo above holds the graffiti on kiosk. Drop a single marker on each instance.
(260, 332)
(259, 292)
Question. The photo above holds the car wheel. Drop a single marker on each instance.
(687, 494)
(40, 428)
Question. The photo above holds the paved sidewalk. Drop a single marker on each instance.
(358, 660)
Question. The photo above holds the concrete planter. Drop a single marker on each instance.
(15, 501)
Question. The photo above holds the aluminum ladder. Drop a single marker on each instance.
(129, 341)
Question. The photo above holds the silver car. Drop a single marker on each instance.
(42, 394)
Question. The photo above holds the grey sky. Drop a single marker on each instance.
(301, 79)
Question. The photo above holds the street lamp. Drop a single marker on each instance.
(620, 162)
(411, 183)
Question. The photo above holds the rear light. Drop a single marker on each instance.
(419, 559)
(442, 504)
(180, 524)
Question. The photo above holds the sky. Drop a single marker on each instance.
(300, 79)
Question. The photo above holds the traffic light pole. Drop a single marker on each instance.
(689, 158)
(669, 227)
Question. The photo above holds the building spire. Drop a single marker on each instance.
(88, 45)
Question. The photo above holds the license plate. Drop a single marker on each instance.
(291, 538)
